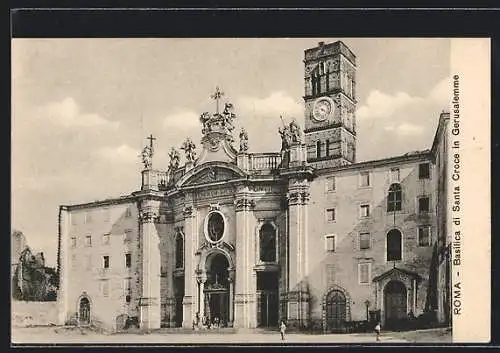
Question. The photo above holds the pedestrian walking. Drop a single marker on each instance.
(377, 331)
(282, 330)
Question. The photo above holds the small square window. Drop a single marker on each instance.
(364, 273)
(364, 180)
(424, 171)
(330, 184)
(105, 238)
(395, 175)
(105, 261)
(330, 243)
(128, 260)
(364, 211)
(424, 236)
(364, 241)
(73, 242)
(330, 214)
(423, 204)
(88, 240)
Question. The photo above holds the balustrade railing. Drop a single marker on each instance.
(264, 161)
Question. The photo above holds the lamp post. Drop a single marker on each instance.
(367, 304)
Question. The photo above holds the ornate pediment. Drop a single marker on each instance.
(209, 173)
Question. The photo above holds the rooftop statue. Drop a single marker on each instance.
(175, 159)
(243, 140)
(189, 149)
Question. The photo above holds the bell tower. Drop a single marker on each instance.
(330, 104)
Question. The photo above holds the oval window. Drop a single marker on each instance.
(214, 230)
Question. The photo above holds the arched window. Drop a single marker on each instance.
(267, 240)
(313, 83)
(179, 251)
(318, 149)
(327, 80)
(394, 242)
(394, 198)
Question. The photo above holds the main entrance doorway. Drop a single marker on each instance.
(336, 306)
(216, 291)
(268, 300)
(394, 303)
(84, 311)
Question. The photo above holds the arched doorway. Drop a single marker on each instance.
(216, 289)
(395, 305)
(84, 311)
(336, 311)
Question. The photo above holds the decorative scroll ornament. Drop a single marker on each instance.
(298, 197)
(187, 211)
(149, 217)
(244, 204)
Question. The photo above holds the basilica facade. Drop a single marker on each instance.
(241, 239)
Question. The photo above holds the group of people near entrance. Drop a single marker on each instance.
(207, 323)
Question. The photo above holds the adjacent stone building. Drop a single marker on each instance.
(245, 239)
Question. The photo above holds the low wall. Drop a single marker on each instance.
(34, 313)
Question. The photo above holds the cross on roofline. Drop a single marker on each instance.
(151, 139)
(217, 96)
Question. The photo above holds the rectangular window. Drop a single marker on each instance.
(423, 204)
(128, 260)
(105, 261)
(364, 179)
(330, 214)
(330, 183)
(364, 211)
(73, 261)
(395, 175)
(424, 236)
(104, 288)
(330, 243)
(105, 238)
(128, 212)
(128, 289)
(364, 241)
(88, 217)
(364, 273)
(318, 149)
(73, 220)
(73, 242)
(88, 240)
(424, 171)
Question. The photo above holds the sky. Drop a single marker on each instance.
(82, 108)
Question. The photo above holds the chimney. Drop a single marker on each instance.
(321, 44)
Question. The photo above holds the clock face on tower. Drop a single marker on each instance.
(322, 109)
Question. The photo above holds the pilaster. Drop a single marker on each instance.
(190, 281)
(298, 291)
(149, 303)
(62, 295)
(244, 300)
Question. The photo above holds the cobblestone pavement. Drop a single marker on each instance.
(51, 335)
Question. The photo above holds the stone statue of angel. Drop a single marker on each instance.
(229, 116)
(295, 132)
(175, 159)
(189, 149)
(147, 157)
(204, 119)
